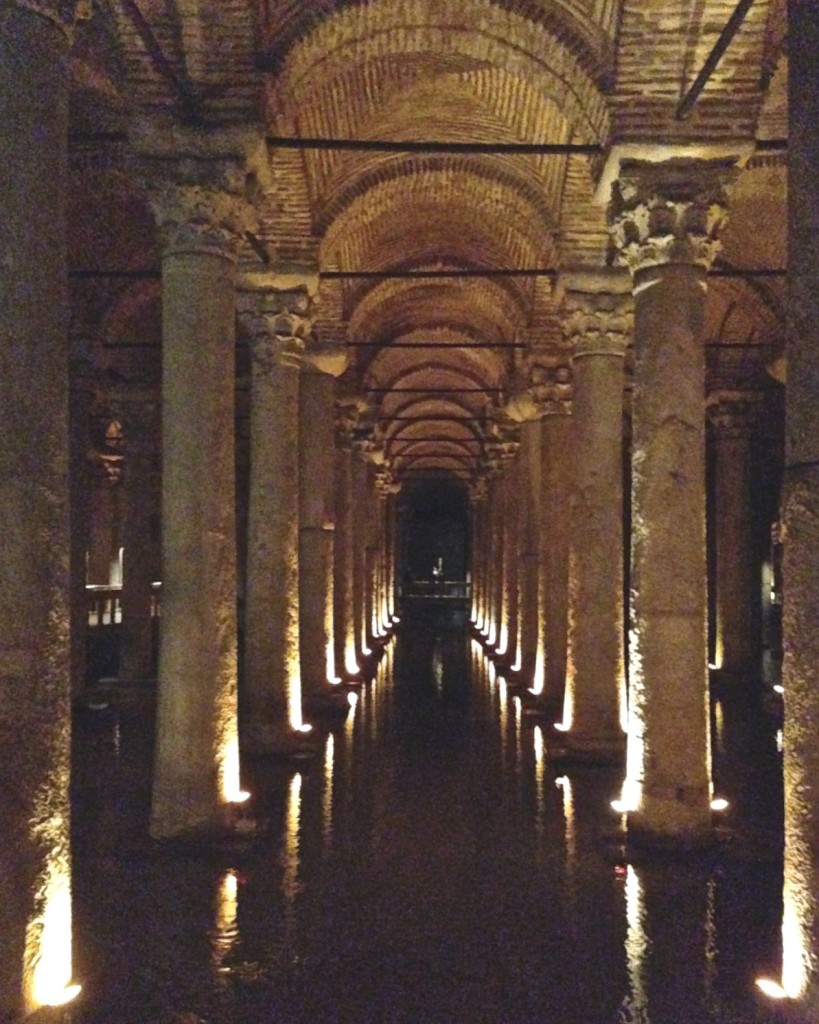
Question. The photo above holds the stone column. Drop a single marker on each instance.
(529, 562)
(278, 319)
(317, 530)
(35, 692)
(737, 581)
(497, 561)
(598, 323)
(200, 206)
(800, 929)
(664, 221)
(139, 415)
(358, 551)
(508, 641)
(344, 641)
(556, 460)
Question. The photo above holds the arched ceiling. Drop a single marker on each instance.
(397, 137)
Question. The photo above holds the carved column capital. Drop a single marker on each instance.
(543, 388)
(203, 185)
(597, 323)
(669, 212)
(279, 323)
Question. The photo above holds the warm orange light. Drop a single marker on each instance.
(771, 988)
(719, 803)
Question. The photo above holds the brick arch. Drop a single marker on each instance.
(315, 86)
(439, 218)
(440, 310)
(357, 179)
(590, 41)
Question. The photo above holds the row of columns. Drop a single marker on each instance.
(664, 221)
(668, 673)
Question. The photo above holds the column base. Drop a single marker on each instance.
(327, 700)
(571, 748)
(274, 740)
(671, 824)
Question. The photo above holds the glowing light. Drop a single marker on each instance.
(352, 698)
(568, 702)
(562, 727)
(778, 688)
(366, 651)
(780, 741)
(330, 661)
(771, 988)
(503, 640)
(539, 678)
(490, 635)
(350, 661)
(518, 665)
(719, 803)
(231, 789)
(304, 727)
(796, 930)
(48, 943)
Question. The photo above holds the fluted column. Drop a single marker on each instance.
(279, 322)
(202, 212)
(598, 323)
(664, 221)
(35, 695)
(139, 414)
(800, 929)
(737, 570)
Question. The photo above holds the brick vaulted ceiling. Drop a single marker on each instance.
(438, 262)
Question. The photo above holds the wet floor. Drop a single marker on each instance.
(429, 865)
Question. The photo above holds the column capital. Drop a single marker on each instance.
(203, 185)
(597, 322)
(734, 414)
(542, 388)
(669, 212)
(279, 322)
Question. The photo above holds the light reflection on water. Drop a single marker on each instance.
(421, 871)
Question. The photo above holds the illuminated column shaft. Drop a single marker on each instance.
(197, 698)
(358, 528)
(511, 570)
(529, 562)
(476, 557)
(497, 565)
(316, 533)
(344, 628)
(140, 420)
(35, 711)
(738, 607)
(554, 553)
(801, 522)
(598, 323)
(279, 324)
(664, 220)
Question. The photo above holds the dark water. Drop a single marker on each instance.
(429, 866)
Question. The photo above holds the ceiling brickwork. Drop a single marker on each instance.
(439, 96)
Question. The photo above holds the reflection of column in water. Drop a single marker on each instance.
(719, 727)
(349, 744)
(540, 781)
(670, 943)
(291, 858)
(438, 668)
(518, 713)
(226, 932)
(327, 795)
(636, 1002)
(503, 704)
(564, 783)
